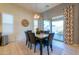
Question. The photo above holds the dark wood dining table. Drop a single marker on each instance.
(41, 37)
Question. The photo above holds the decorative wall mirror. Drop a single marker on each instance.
(25, 22)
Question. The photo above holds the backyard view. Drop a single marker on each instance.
(57, 28)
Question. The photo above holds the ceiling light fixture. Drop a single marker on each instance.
(36, 16)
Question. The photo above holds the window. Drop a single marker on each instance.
(35, 25)
(7, 23)
(46, 25)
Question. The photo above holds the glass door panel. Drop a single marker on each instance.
(57, 28)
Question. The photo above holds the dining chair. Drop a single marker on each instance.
(50, 38)
(33, 41)
(48, 42)
(27, 37)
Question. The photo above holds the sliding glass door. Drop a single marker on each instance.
(57, 28)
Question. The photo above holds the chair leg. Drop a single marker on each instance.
(48, 50)
(27, 41)
(30, 46)
(35, 48)
(41, 52)
(51, 47)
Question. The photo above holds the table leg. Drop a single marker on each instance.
(40, 48)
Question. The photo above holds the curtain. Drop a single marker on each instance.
(68, 13)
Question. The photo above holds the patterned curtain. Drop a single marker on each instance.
(68, 12)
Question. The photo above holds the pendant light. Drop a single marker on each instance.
(36, 16)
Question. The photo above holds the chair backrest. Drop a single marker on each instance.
(32, 37)
(27, 35)
(50, 37)
(29, 31)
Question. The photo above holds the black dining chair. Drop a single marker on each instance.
(50, 38)
(33, 41)
(48, 42)
(27, 37)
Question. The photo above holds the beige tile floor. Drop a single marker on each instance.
(19, 48)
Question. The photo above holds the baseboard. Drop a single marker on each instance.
(58, 40)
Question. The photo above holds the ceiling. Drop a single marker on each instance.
(38, 7)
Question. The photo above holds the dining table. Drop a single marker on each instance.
(41, 37)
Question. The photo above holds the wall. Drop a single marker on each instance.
(0, 23)
(59, 10)
(19, 13)
(76, 23)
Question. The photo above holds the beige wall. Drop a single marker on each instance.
(59, 10)
(19, 13)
